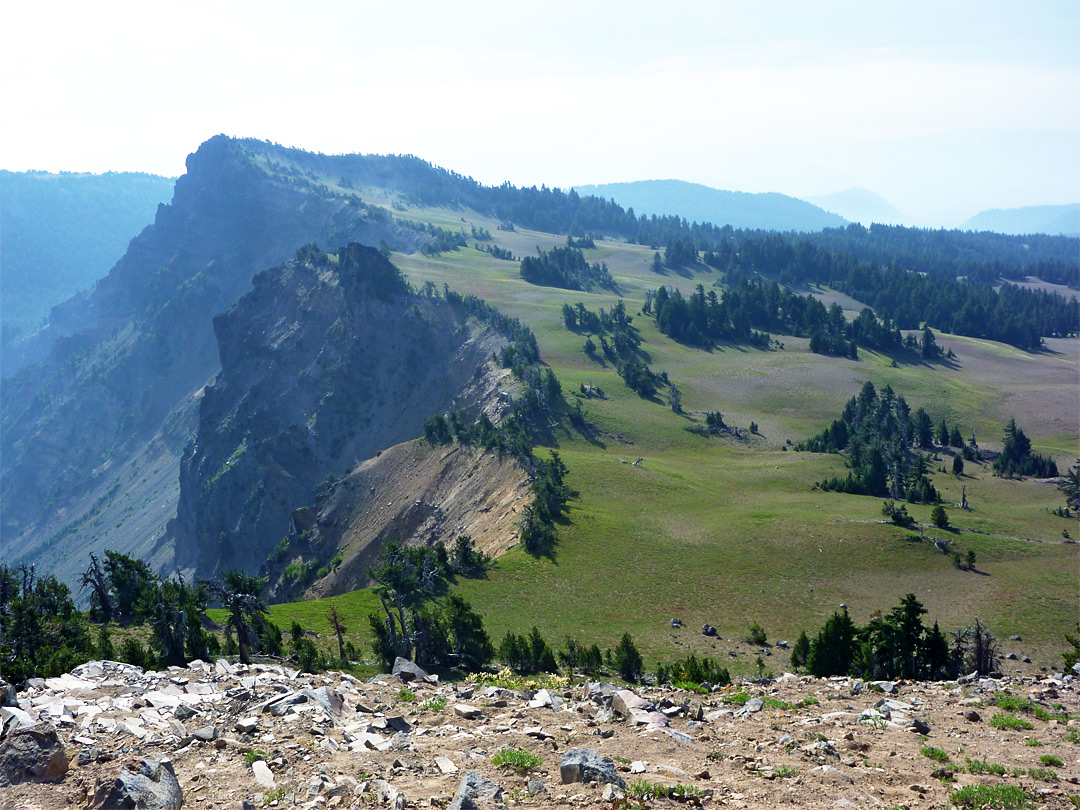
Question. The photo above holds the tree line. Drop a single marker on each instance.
(912, 275)
(894, 645)
(970, 307)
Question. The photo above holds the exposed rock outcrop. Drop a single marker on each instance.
(92, 436)
(328, 360)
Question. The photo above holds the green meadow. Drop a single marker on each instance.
(732, 531)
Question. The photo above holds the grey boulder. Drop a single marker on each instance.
(477, 793)
(154, 787)
(586, 765)
(408, 671)
(33, 754)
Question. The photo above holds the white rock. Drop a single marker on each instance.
(161, 700)
(466, 711)
(262, 774)
(446, 765)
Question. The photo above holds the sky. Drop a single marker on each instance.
(943, 108)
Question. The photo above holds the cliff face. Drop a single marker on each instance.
(92, 434)
(328, 360)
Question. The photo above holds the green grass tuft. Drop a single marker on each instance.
(1005, 720)
(992, 797)
(521, 761)
(978, 766)
(935, 754)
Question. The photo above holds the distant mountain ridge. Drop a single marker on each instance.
(62, 232)
(860, 205)
(700, 203)
(1049, 219)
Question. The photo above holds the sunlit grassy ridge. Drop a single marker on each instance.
(730, 532)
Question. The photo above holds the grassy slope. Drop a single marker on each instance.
(713, 531)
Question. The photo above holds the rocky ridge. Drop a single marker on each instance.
(268, 735)
(96, 421)
(328, 360)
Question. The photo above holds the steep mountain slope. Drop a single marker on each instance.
(62, 232)
(414, 492)
(860, 205)
(326, 361)
(92, 435)
(739, 209)
(1051, 219)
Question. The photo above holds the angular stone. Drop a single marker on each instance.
(624, 702)
(246, 725)
(586, 765)
(466, 711)
(263, 775)
(33, 754)
(888, 687)
(919, 727)
(14, 717)
(154, 787)
(611, 793)
(408, 671)
(446, 765)
(477, 793)
(206, 733)
(8, 697)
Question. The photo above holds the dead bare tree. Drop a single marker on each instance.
(95, 577)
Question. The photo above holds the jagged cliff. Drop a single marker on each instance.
(327, 361)
(93, 428)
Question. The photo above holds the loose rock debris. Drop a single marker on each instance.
(219, 735)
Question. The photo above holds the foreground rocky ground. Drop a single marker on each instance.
(266, 735)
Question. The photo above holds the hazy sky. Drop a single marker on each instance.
(944, 108)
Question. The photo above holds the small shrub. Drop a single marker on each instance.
(1012, 703)
(978, 766)
(643, 790)
(939, 517)
(1050, 759)
(1073, 735)
(1043, 774)
(756, 635)
(1031, 742)
(521, 761)
(406, 695)
(251, 756)
(1004, 720)
(786, 771)
(979, 797)
(435, 704)
(935, 754)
